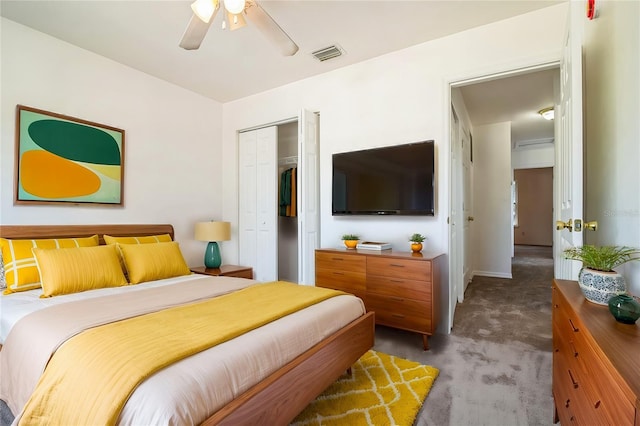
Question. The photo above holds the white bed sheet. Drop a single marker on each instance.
(15, 306)
(196, 387)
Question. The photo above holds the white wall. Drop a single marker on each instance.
(492, 234)
(172, 136)
(532, 158)
(396, 98)
(612, 128)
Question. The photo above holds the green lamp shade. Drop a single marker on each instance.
(212, 257)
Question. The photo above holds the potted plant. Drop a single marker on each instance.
(597, 279)
(416, 242)
(350, 240)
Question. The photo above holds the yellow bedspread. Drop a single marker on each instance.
(91, 376)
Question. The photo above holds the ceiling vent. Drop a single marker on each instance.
(328, 53)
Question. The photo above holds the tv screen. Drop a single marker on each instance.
(394, 180)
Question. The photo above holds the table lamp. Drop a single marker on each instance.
(213, 232)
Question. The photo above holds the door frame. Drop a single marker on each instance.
(302, 114)
(524, 66)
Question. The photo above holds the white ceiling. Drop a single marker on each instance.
(145, 34)
(517, 99)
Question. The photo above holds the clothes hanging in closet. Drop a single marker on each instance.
(287, 202)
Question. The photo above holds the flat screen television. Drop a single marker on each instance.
(393, 180)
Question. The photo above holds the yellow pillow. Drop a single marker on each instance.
(148, 239)
(72, 270)
(148, 262)
(21, 272)
(137, 240)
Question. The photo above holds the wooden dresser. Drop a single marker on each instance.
(596, 362)
(402, 288)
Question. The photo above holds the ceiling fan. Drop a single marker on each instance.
(235, 11)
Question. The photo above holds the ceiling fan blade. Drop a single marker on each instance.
(271, 30)
(195, 32)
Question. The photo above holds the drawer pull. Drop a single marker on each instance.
(337, 258)
(573, 381)
(338, 273)
(596, 405)
(397, 299)
(397, 315)
(397, 281)
(396, 265)
(575, 330)
(566, 404)
(575, 352)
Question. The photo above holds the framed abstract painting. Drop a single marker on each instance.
(66, 160)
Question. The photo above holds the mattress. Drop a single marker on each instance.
(194, 388)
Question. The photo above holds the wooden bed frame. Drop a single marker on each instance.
(284, 394)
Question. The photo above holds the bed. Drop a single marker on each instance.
(278, 393)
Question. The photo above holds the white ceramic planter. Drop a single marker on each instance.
(598, 287)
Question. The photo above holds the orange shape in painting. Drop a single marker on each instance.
(47, 175)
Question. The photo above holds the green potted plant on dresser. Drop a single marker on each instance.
(416, 242)
(350, 240)
(597, 278)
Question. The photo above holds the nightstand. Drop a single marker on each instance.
(225, 271)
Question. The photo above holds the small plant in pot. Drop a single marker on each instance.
(597, 278)
(416, 242)
(350, 240)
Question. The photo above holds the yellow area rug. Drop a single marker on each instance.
(381, 390)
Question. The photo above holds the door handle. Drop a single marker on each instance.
(560, 225)
(591, 226)
(470, 218)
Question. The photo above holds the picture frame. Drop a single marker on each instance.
(66, 160)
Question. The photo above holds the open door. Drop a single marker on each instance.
(568, 182)
(467, 212)
(456, 284)
(308, 196)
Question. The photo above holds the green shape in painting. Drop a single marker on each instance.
(75, 142)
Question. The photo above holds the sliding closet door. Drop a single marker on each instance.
(257, 221)
(309, 200)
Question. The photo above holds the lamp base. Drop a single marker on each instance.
(212, 258)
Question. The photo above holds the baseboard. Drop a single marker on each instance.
(493, 274)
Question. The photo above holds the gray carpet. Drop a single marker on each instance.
(495, 366)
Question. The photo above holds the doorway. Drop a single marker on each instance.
(278, 240)
(501, 113)
(533, 207)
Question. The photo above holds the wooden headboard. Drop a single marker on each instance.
(74, 231)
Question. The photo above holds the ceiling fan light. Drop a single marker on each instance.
(547, 113)
(236, 21)
(204, 9)
(234, 6)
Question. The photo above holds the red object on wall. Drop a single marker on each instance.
(591, 9)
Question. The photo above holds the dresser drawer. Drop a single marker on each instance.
(401, 312)
(570, 399)
(391, 267)
(342, 262)
(601, 386)
(351, 282)
(399, 287)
